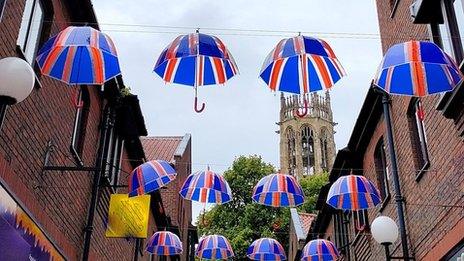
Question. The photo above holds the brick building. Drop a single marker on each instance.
(300, 223)
(178, 151)
(103, 133)
(430, 152)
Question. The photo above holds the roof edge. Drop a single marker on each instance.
(182, 145)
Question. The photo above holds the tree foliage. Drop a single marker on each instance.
(242, 221)
(311, 186)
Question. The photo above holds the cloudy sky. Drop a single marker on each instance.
(240, 116)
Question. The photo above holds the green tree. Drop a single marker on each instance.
(311, 186)
(242, 221)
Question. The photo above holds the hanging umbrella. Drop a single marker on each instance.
(164, 243)
(278, 190)
(417, 68)
(79, 55)
(150, 176)
(353, 192)
(196, 60)
(214, 247)
(266, 249)
(301, 65)
(319, 250)
(206, 187)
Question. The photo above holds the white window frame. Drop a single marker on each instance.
(31, 29)
(2, 8)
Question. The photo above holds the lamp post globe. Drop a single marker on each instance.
(384, 230)
(16, 80)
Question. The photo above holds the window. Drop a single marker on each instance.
(393, 7)
(380, 163)
(80, 123)
(113, 155)
(324, 150)
(31, 28)
(418, 136)
(291, 151)
(2, 8)
(307, 144)
(452, 31)
(457, 253)
(341, 232)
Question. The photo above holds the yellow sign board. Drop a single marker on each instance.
(128, 217)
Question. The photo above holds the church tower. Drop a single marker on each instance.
(306, 144)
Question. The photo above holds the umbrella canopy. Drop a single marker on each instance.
(319, 250)
(214, 247)
(164, 243)
(195, 60)
(278, 190)
(417, 68)
(206, 187)
(79, 55)
(266, 249)
(300, 65)
(150, 176)
(353, 192)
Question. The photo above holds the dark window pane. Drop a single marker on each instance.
(31, 28)
(380, 163)
(2, 8)
(418, 135)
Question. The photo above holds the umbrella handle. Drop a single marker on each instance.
(198, 110)
(305, 109)
(76, 102)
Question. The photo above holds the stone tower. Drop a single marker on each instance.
(306, 144)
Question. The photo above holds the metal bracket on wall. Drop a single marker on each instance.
(46, 167)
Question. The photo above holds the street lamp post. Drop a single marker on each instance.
(385, 231)
(16, 83)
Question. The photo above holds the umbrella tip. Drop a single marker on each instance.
(197, 30)
(207, 167)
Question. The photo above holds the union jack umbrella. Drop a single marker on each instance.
(79, 55)
(206, 187)
(278, 190)
(301, 65)
(319, 250)
(353, 192)
(418, 69)
(195, 60)
(266, 249)
(214, 247)
(150, 176)
(164, 243)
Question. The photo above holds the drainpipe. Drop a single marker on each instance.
(107, 118)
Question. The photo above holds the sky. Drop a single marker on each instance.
(240, 116)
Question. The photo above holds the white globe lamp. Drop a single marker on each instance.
(16, 80)
(384, 230)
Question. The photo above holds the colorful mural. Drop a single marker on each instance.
(20, 236)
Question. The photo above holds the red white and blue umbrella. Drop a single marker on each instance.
(206, 187)
(164, 243)
(353, 192)
(278, 190)
(150, 176)
(266, 249)
(195, 60)
(79, 55)
(301, 65)
(418, 69)
(319, 250)
(214, 247)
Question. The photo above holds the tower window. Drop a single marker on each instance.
(307, 144)
(291, 150)
(324, 150)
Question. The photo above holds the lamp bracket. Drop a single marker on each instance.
(47, 167)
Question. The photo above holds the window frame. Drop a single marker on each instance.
(80, 123)
(418, 137)
(451, 25)
(393, 7)
(381, 169)
(455, 250)
(2, 8)
(23, 46)
(113, 157)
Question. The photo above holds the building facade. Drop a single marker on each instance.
(306, 143)
(48, 131)
(430, 149)
(178, 151)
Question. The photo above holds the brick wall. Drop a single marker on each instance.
(59, 201)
